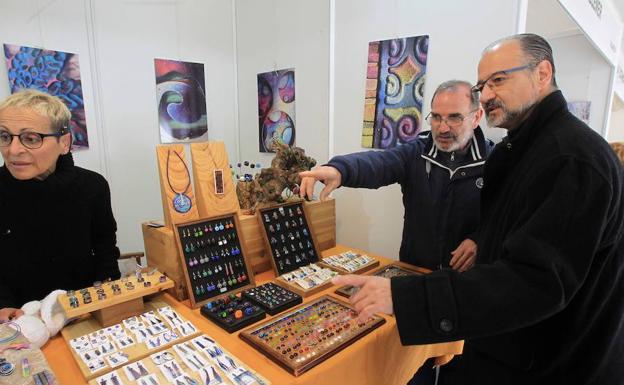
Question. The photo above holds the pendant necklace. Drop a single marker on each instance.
(181, 201)
(217, 174)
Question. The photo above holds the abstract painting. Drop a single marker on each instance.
(181, 96)
(276, 108)
(54, 72)
(395, 84)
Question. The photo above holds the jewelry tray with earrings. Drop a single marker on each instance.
(309, 334)
(213, 257)
(294, 248)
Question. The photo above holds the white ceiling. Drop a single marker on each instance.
(549, 19)
(619, 7)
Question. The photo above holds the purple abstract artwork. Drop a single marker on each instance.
(395, 83)
(276, 108)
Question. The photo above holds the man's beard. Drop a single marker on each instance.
(459, 142)
(506, 118)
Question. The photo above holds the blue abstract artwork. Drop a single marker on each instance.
(54, 72)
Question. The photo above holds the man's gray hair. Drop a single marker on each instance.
(534, 47)
(455, 86)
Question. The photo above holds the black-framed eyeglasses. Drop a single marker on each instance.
(29, 139)
(452, 121)
(497, 78)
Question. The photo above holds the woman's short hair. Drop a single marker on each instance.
(44, 104)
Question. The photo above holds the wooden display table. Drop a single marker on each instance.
(378, 358)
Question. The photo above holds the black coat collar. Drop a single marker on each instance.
(534, 125)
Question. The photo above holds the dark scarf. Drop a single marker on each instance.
(56, 183)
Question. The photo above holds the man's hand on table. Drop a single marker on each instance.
(374, 294)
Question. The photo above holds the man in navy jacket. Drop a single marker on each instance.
(440, 175)
(545, 302)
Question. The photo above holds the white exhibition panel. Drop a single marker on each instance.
(117, 42)
(280, 34)
(326, 41)
(583, 75)
(458, 32)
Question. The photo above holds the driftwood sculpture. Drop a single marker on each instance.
(269, 186)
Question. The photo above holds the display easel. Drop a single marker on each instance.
(184, 236)
(175, 181)
(275, 222)
(290, 252)
(216, 193)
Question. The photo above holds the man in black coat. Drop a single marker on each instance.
(545, 302)
(440, 175)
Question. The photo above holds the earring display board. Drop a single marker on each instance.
(162, 251)
(309, 334)
(198, 361)
(100, 350)
(216, 193)
(213, 257)
(273, 298)
(110, 302)
(307, 280)
(350, 262)
(233, 312)
(176, 188)
(395, 269)
(288, 237)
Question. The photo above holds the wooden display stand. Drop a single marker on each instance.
(266, 212)
(174, 172)
(214, 197)
(116, 307)
(135, 352)
(162, 252)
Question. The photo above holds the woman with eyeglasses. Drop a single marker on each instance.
(57, 229)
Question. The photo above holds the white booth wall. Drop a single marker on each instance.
(117, 42)
(458, 32)
(326, 41)
(583, 75)
(616, 124)
(279, 34)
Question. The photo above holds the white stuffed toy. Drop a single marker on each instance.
(42, 319)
